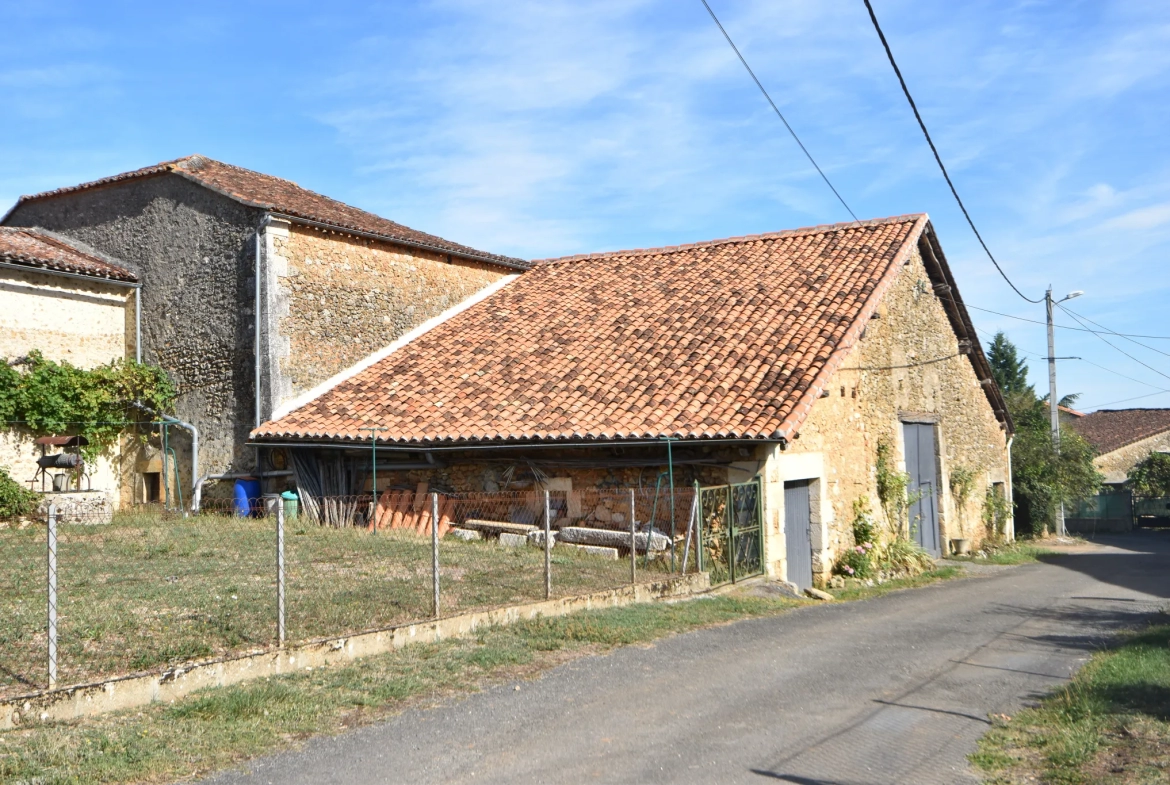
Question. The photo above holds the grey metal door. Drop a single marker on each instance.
(797, 520)
(922, 466)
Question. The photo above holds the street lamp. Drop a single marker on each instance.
(1053, 404)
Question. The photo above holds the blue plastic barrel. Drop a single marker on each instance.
(246, 496)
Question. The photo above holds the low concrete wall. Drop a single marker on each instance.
(131, 691)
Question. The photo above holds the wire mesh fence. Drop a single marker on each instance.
(146, 589)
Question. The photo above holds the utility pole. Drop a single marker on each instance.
(1053, 401)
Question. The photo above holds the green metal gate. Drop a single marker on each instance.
(731, 530)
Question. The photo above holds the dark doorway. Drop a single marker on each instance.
(922, 466)
(797, 535)
(152, 487)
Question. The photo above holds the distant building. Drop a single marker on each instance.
(1123, 438)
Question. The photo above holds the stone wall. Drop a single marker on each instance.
(334, 299)
(192, 250)
(70, 320)
(1117, 465)
(886, 380)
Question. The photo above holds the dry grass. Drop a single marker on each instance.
(145, 592)
(218, 727)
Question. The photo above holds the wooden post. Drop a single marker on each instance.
(547, 546)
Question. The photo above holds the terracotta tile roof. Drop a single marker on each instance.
(40, 249)
(1112, 429)
(725, 339)
(286, 197)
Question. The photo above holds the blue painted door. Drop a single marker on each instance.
(922, 466)
(797, 536)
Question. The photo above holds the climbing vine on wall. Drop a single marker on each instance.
(891, 488)
(47, 397)
(962, 482)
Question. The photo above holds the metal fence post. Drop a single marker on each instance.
(699, 526)
(52, 595)
(547, 546)
(729, 519)
(435, 552)
(281, 631)
(692, 522)
(633, 548)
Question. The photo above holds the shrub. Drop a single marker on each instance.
(16, 501)
(859, 560)
(906, 557)
(995, 514)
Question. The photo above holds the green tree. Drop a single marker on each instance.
(1008, 369)
(1042, 478)
(1151, 477)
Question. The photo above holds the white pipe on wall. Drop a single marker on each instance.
(138, 324)
(1010, 497)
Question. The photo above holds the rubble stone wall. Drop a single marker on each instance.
(906, 367)
(337, 298)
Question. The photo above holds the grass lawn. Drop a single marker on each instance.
(145, 592)
(216, 728)
(1109, 726)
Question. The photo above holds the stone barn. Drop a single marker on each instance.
(255, 289)
(792, 360)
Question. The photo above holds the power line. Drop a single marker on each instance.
(777, 110)
(1073, 313)
(1070, 327)
(1082, 359)
(1102, 337)
(937, 157)
(1125, 400)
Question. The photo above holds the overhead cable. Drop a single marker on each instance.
(1082, 359)
(1125, 400)
(777, 110)
(1070, 327)
(1122, 351)
(1129, 338)
(937, 157)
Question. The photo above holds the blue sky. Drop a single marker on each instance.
(548, 128)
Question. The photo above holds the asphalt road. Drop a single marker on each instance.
(891, 690)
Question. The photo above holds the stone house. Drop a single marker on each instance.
(73, 304)
(255, 289)
(787, 359)
(1123, 438)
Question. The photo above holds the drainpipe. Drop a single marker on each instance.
(138, 324)
(197, 494)
(1010, 496)
(256, 314)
